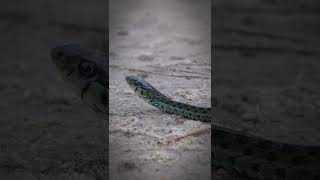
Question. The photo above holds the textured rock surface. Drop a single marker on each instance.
(167, 43)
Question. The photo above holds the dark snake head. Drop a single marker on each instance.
(143, 89)
(84, 70)
(134, 82)
(75, 63)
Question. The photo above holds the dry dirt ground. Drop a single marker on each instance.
(265, 58)
(266, 69)
(167, 43)
(46, 132)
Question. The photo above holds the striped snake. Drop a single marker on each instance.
(247, 155)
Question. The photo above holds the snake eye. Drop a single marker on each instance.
(87, 68)
(136, 83)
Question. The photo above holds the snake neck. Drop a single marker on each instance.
(189, 111)
(154, 97)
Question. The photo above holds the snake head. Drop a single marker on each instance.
(143, 89)
(75, 63)
(66, 58)
(134, 82)
(80, 66)
(83, 69)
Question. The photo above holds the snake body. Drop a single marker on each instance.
(151, 95)
(248, 155)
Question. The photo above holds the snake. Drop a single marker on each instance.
(245, 154)
(85, 72)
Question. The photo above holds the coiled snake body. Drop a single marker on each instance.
(247, 155)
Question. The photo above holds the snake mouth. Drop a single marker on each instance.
(129, 80)
(134, 82)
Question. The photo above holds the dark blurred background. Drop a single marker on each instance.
(266, 69)
(265, 65)
(45, 131)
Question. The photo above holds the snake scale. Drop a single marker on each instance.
(245, 154)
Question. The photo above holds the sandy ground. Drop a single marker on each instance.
(167, 43)
(266, 69)
(46, 132)
(265, 58)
